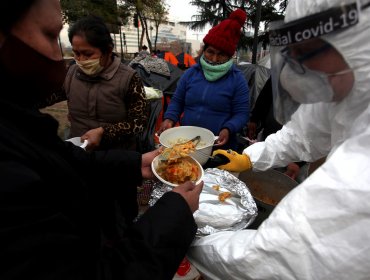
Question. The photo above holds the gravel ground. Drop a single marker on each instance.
(60, 112)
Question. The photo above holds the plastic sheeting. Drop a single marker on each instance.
(256, 75)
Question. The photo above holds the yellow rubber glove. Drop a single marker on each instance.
(238, 162)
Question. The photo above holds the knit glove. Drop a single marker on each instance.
(238, 162)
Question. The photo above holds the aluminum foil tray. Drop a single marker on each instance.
(213, 215)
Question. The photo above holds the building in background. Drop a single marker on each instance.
(172, 36)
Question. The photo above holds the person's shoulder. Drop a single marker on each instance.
(236, 69)
(236, 72)
(125, 68)
(72, 68)
(189, 74)
(193, 70)
(71, 72)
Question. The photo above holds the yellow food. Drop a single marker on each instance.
(216, 187)
(223, 196)
(179, 171)
(177, 151)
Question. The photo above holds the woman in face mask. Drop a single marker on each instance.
(213, 93)
(106, 99)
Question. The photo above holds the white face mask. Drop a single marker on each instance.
(310, 87)
(90, 67)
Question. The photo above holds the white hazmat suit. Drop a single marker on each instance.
(321, 229)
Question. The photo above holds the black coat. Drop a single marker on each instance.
(55, 209)
(263, 112)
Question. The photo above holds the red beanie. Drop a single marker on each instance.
(225, 36)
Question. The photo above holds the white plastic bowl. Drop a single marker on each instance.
(77, 142)
(203, 149)
(155, 167)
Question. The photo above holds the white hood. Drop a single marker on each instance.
(354, 45)
(320, 230)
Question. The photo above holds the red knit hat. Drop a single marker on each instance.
(225, 36)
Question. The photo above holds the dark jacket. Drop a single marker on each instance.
(55, 209)
(263, 112)
(114, 99)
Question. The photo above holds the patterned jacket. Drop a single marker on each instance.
(114, 100)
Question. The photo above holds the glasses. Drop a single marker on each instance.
(297, 62)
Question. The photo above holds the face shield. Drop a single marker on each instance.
(301, 72)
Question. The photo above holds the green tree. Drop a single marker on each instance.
(147, 10)
(117, 13)
(75, 9)
(158, 13)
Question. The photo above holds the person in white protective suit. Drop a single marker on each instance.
(321, 229)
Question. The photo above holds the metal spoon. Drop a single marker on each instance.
(195, 140)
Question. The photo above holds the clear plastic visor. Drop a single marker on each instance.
(293, 45)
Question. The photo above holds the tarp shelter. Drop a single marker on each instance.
(185, 60)
(256, 76)
(161, 75)
(168, 56)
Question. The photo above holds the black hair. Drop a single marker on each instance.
(11, 11)
(94, 30)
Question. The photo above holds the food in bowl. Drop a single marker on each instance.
(174, 173)
(180, 140)
(178, 151)
(203, 150)
(176, 166)
(178, 171)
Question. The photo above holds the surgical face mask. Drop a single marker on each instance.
(310, 87)
(90, 67)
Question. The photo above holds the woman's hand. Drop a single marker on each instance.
(93, 136)
(166, 124)
(223, 137)
(190, 192)
(146, 164)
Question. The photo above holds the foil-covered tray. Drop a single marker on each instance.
(213, 215)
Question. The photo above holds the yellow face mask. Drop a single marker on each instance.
(90, 67)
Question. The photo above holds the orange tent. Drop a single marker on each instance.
(186, 59)
(171, 58)
(168, 56)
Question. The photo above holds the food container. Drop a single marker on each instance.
(77, 141)
(267, 188)
(157, 160)
(178, 134)
(234, 213)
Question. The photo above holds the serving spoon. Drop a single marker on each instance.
(167, 151)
